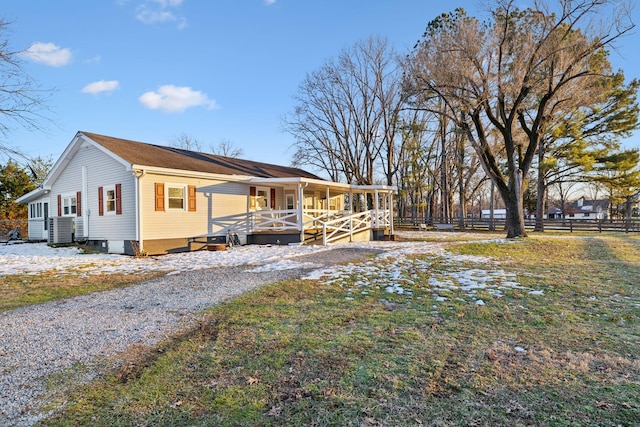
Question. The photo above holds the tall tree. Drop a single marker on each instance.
(14, 182)
(571, 146)
(619, 173)
(22, 101)
(345, 120)
(39, 167)
(512, 75)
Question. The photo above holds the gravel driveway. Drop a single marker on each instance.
(41, 340)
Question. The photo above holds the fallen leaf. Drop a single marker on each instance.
(274, 411)
(252, 381)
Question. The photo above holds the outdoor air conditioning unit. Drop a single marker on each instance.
(61, 229)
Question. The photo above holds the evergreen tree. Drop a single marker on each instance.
(14, 182)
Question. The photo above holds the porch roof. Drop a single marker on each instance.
(321, 184)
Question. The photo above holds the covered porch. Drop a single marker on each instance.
(309, 211)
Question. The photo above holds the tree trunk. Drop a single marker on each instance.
(542, 188)
(492, 224)
(513, 202)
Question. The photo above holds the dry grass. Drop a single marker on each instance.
(300, 353)
(26, 289)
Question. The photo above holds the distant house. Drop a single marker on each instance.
(497, 214)
(554, 213)
(125, 196)
(588, 209)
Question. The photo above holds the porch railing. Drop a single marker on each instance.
(334, 225)
(342, 227)
(279, 220)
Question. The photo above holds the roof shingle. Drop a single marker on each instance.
(143, 154)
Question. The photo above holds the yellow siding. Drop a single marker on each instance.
(214, 199)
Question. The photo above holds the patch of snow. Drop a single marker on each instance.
(395, 269)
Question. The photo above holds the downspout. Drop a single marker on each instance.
(139, 174)
(85, 210)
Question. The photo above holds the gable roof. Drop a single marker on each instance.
(143, 154)
(583, 205)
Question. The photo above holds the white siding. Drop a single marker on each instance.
(214, 199)
(102, 170)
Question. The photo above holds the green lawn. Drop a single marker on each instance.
(552, 337)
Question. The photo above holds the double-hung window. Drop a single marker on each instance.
(110, 200)
(175, 197)
(69, 205)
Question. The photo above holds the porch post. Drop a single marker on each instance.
(350, 201)
(390, 196)
(300, 212)
(376, 208)
(327, 198)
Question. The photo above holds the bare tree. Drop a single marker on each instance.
(512, 75)
(39, 168)
(22, 101)
(226, 148)
(346, 117)
(186, 142)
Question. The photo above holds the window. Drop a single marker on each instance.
(334, 203)
(110, 200)
(262, 198)
(69, 205)
(35, 210)
(175, 197)
(290, 201)
(172, 196)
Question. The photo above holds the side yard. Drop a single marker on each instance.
(538, 331)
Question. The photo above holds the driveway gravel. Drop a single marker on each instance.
(39, 341)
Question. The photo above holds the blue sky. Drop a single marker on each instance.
(151, 70)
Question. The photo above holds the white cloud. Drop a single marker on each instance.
(48, 54)
(160, 11)
(173, 99)
(95, 60)
(269, 2)
(149, 16)
(101, 86)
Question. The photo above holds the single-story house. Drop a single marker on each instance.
(588, 209)
(130, 197)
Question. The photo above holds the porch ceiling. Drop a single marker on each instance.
(320, 185)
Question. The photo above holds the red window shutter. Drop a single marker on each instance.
(118, 199)
(100, 201)
(252, 197)
(192, 198)
(59, 205)
(273, 198)
(78, 203)
(160, 196)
